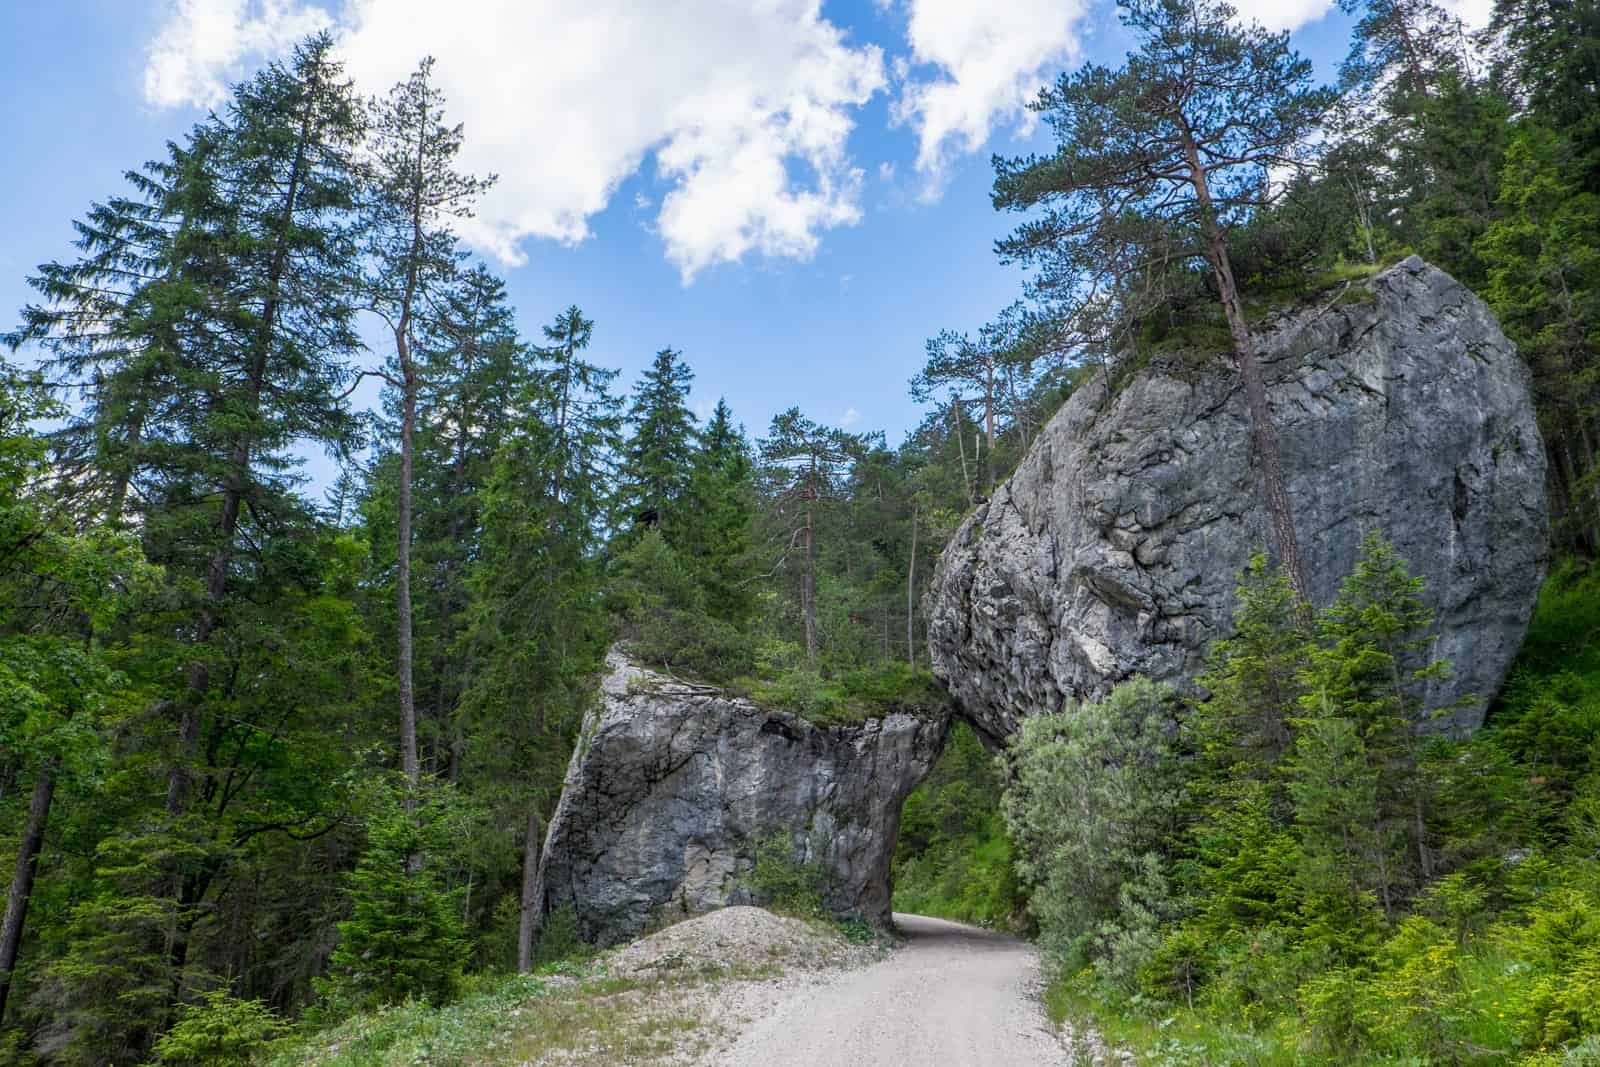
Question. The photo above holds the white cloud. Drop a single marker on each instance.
(1293, 14)
(990, 60)
(850, 417)
(746, 105)
(1282, 14)
(1475, 13)
(204, 44)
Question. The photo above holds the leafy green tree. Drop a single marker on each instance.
(59, 590)
(1158, 161)
(1090, 801)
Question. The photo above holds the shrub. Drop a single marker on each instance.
(1092, 800)
(218, 1030)
(779, 881)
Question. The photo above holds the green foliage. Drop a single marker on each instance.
(1090, 800)
(221, 1030)
(787, 681)
(658, 608)
(1358, 893)
(953, 858)
(199, 658)
(779, 879)
(403, 939)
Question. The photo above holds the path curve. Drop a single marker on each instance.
(952, 994)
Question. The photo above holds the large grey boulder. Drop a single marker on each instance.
(1114, 548)
(673, 785)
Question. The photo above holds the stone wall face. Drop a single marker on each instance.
(673, 784)
(1114, 548)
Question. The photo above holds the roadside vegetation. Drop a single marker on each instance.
(954, 859)
(1286, 873)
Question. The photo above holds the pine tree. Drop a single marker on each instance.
(1544, 285)
(536, 629)
(803, 467)
(473, 371)
(1253, 680)
(403, 939)
(417, 194)
(1158, 161)
(989, 365)
(1355, 768)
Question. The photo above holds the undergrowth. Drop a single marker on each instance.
(1492, 957)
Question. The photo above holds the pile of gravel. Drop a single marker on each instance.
(741, 941)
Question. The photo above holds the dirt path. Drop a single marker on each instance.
(952, 994)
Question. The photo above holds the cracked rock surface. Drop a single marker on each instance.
(673, 784)
(1114, 548)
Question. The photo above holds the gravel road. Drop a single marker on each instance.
(952, 994)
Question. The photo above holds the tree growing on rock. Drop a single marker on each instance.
(805, 464)
(1156, 163)
(988, 364)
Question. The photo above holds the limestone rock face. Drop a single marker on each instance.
(1114, 548)
(672, 786)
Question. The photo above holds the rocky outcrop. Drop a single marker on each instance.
(1114, 548)
(673, 785)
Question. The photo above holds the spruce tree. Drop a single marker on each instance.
(403, 940)
(715, 537)
(1357, 791)
(658, 455)
(536, 629)
(473, 372)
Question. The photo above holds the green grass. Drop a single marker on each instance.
(511, 1019)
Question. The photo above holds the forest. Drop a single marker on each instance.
(270, 757)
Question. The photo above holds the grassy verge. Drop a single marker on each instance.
(503, 1020)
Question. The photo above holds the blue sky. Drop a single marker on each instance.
(795, 196)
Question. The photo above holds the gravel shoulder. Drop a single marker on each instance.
(950, 994)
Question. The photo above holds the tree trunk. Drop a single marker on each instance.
(409, 763)
(532, 850)
(988, 426)
(1255, 390)
(808, 586)
(911, 590)
(22, 881)
(961, 445)
(402, 574)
